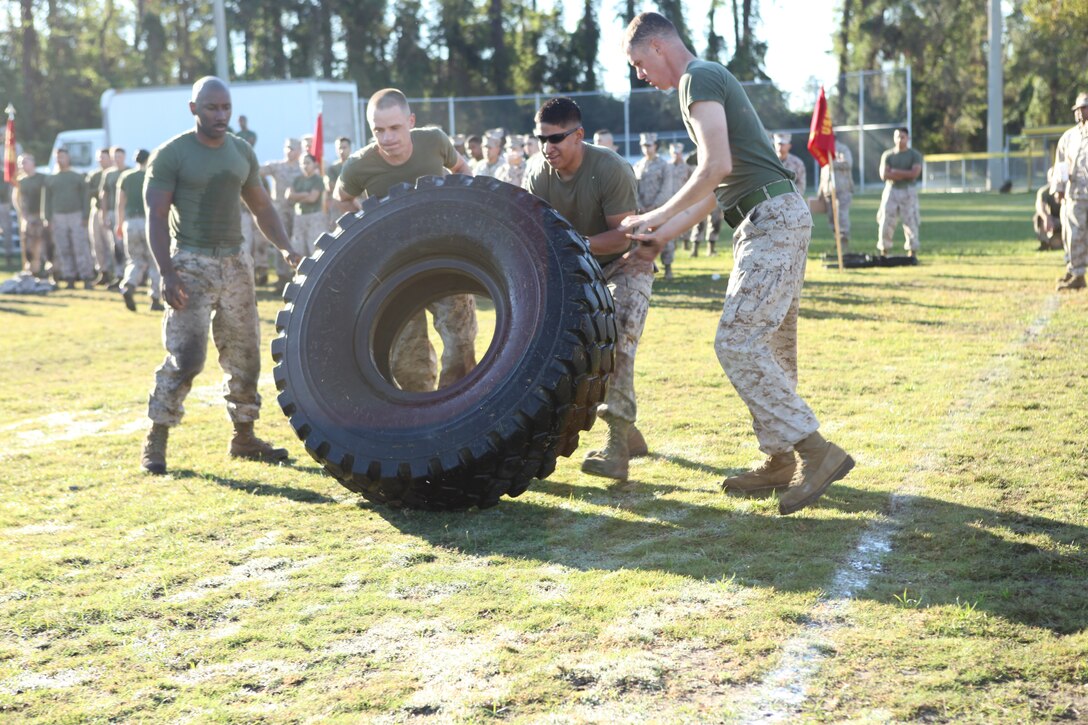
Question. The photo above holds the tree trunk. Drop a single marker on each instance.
(27, 114)
(844, 58)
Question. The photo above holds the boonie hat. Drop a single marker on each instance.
(1082, 101)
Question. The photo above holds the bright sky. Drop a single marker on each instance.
(798, 34)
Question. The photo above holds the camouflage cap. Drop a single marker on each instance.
(458, 139)
(676, 148)
(783, 138)
(647, 139)
(494, 137)
(1081, 102)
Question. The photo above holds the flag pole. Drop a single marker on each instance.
(10, 176)
(835, 210)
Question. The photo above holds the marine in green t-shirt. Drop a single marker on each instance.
(756, 340)
(107, 192)
(64, 192)
(903, 159)
(373, 171)
(308, 182)
(132, 184)
(600, 186)
(30, 187)
(205, 183)
(399, 154)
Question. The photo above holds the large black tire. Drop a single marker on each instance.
(501, 426)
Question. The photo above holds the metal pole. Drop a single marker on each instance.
(221, 68)
(995, 114)
(451, 115)
(861, 131)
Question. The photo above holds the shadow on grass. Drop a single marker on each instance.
(946, 553)
(256, 488)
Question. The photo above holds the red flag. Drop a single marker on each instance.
(319, 141)
(9, 150)
(821, 138)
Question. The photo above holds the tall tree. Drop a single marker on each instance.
(413, 68)
(715, 43)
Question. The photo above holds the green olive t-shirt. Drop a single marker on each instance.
(207, 183)
(755, 163)
(366, 170)
(132, 183)
(902, 161)
(603, 186)
(304, 183)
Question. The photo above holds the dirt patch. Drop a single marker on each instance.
(38, 529)
(26, 681)
(455, 673)
(263, 674)
(273, 573)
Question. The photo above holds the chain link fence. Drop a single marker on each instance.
(866, 107)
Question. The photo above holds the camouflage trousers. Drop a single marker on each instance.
(1074, 217)
(253, 241)
(668, 253)
(32, 239)
(7, 229)
(756, 341)
(72, 257)
(102, 243)
(307, 228)
(287, 215)
(896, 204)
(221, 294)
(844, 199)
(138, 260)
(630, 280)
(707, 230)
(414, 362)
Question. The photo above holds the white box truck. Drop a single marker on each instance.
(143, 118)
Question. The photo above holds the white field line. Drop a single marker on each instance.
(25, 435)
(780, 696)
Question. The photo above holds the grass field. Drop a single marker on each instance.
(946, 579)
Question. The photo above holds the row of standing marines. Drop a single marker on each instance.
(194, 182)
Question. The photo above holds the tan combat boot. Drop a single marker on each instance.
(154, 456)
(1073, 283)
(612, 461)
(820, 464)
(245, 444)
(774, 474)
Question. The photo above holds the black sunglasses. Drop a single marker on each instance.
(555, 137)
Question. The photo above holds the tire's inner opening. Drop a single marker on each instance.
(437, 347)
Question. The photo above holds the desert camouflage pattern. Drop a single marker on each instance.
(254, 243)
(756, 341)
(101, 243)
(707, 230)
(283, 173)
(32, 239)
(307, 228)
(511, 174)
(414, 363)
(221, 295)
(898, 205)
(1074, 218)
(72, 258)
(654, 182)
(482, 168)
(797, 166)
(844, 187)
(630, 280)
(139, 259)
(1073, 150)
